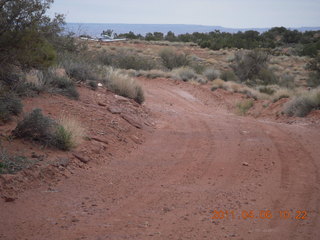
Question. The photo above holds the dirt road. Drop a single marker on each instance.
(200, 158)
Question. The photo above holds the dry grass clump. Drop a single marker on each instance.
(211, 74)
(282, 93)
(302, 105)
(124, 85)
(184, 73)
(237, 88)
(36, 78)
(244, 106)
(153, 74)
(69, 133)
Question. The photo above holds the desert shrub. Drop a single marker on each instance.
(64, 86)
(313, 80)
(126, 59)
(251, 66)
(64, 134)
(68, 133)
(10, 105)
(314, 66)
(300, 106)
(10, 164)
(139, 98)
(228, 76)
(197, 67)
(243, 107)
(287, 81)
(35, 126)
(63, 139)
(282, 93)
(124, 85)
(211, 74)
(26, 34)
(154, 73)
(172, 59)
(237, 88)
(218, 83)
(93, 85)
(79, 71)
(79, 66)
(266, 90)
(265, 77)
(184, 73)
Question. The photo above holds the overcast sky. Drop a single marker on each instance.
(226, 13)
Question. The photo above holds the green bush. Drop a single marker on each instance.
(63, 139)
(26, 34)
(251, 65)
(36, 127)
(93, 85)
(172, 59)
(64, 86)
(10, 105)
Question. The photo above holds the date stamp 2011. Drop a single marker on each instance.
(260, 214)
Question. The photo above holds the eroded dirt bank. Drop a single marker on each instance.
(199, 158)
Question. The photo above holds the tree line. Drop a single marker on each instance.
(307, 43)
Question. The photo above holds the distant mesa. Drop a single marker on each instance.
(95, 29)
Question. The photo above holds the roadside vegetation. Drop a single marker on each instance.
(301, 43)
(63, 134)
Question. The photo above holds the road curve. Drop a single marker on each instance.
(200, 158)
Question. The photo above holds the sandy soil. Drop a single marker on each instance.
(199, 158)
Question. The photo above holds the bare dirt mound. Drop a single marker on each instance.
(113, 125)
(202, 173)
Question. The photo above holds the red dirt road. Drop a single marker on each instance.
(200, 158)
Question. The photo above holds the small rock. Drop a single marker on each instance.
(136, 140)
(82, 159)
(245, 164)
(74, 219)
(134, 122)
(102, 104)
(9, 199)
(121, 99)
(98, 139)
(114, 110)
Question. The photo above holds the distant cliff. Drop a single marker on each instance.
(95, 29)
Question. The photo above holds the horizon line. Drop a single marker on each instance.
(184, 24)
